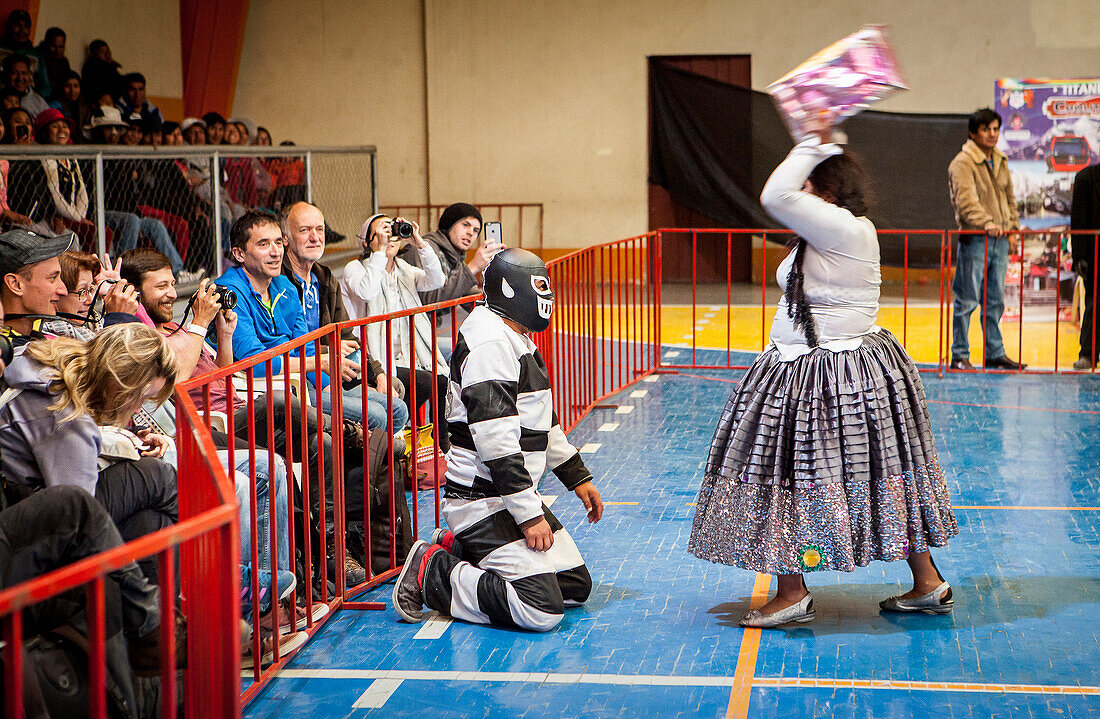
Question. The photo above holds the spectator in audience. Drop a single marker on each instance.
(263, 137)
(17, 41)
(52, 191)
(172, 194)
(459, 227)
(49, 432)
(17, 76)
(319, 293)
(100, 74)
(9, 98)
(232, 134)
(8, 217)
(193, 130)
(34, 290)
(80, 272)
(173, 135)
(133, 98)
(18, 126)
(379, 283)
(268, 313)
(131, 136)
(107, 126)
(52, 52)
(68, 99)
(152, 132)
(215, 128)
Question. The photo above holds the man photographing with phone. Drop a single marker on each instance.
(459, 227)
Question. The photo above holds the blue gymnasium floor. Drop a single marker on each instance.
(659, 636)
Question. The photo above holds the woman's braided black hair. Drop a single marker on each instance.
(843, 180)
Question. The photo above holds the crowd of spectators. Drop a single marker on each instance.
(162, 203)
(97, 352)
(96, 349)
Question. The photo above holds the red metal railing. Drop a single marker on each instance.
(521, 222)
(206, 537)
(771, 256)
(604, 332)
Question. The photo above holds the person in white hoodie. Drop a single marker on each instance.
(380, 283)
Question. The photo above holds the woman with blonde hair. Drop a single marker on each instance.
(61, 392)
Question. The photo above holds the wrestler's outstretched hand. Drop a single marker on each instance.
(539, 536)
(590, 497)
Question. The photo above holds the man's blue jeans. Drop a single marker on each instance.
(376, 415)
(128, 229)
(978, 276)
(266, 476)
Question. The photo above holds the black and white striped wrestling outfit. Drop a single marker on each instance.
(504, 436)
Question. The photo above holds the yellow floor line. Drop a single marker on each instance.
(746, 657)
(905, 684)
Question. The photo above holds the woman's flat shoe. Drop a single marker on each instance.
(938, 601)
(801, 613)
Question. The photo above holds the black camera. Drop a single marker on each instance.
(226, 296)
(401, 228)
(6, 351)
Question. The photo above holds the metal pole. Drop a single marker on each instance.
(309, 177)
(373, 182)
(100, 207)
(216, 203)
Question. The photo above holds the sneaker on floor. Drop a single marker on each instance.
(408, 597)
(285, 583)
(1083, 364)
(354, 574)
(287, 644)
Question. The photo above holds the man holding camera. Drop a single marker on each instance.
(319, 293)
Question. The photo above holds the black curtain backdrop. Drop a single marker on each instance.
(713, 146)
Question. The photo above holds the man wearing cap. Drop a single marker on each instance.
(506, 559)
(194, 131)
(31, 285)
(319, 293)
(17, 75)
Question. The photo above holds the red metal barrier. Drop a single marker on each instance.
(767, 264)
(206, 538)
(603, 334)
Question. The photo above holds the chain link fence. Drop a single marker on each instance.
(183, 200)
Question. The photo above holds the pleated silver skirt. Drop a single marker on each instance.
(824, 462)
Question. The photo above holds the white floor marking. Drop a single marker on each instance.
(625, 409)
(377, 693)
(673, 353)
(639, 393)
(651, 378)
(549, 499)
(590, 447)
(433, 627)
(608, 427)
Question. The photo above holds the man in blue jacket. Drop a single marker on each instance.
(269, 314)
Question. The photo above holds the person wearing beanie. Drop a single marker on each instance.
(459, 227)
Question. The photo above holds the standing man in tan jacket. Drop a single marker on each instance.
(985, 209)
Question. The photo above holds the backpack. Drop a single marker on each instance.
(380, 515)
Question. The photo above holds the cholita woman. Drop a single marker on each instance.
(823, 457)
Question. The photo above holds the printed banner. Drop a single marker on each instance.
(1050, 131)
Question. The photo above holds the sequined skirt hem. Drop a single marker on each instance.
(837, 526)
